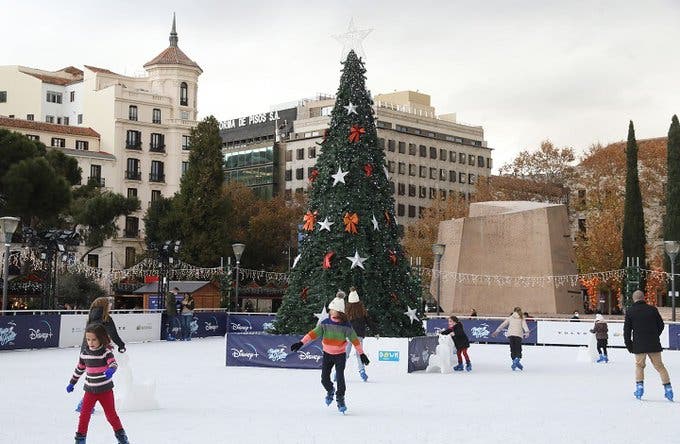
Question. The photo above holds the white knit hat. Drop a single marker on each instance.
(337, 304)
(353, 297)
(599, 317)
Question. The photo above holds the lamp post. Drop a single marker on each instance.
(8, 226)
(438, 250)
(672, 248)
(238, 251)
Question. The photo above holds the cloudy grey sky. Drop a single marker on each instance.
(570, 71)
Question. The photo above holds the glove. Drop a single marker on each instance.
(121, 349)
(364, 359)
(297, 346)
(69, 388)
(109, 372)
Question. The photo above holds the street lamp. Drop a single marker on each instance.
(438, 250)
(238, 251)
(8, 225)
(672, 248)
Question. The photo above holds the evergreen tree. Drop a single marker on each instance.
(203, 206)
(351, 234)
(672, 220)
(633, 238)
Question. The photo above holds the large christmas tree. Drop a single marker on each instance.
(351, 234)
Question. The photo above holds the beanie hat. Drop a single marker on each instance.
(599, 317)
(337, 304)
(353, 297)
(340, 295)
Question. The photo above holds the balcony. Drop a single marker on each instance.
(157, 148)
(156, 177)
(133, 146)
(133, 175)
(96, 181)
(131, 232)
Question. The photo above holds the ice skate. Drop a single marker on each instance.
(329, 397)
(122, 437)
(600, 359)
(668, 391)
(80, 439)
(639, 390)
(458, 368)
(519, 364)
(468, 366)
(342, 408)
(364, 376)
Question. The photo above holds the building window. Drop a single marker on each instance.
(49, 119)
(309, 171)
(390, 145)
(132, 112)
(133, 171)
(480, 161)
(156, 195)
(402, 168)
(130, 257)
(452, 156)
(442, 154)
(30, 117)
(289, 155)
(185, 167)
(400, 210)
(452, 176)
(412, 151)
(461, 158)
(462, 178)
(58, 120)
(184, 94)
(131, 226)
(299, 190)
(402, 148)
(471, 179)
(300, 173)
(288, 194)
(157, 143)
(421, 211)
(442, 194)
(381, 143)
(32, 137)
(433, 173)
(133, 140)
(392, 187)
(3, 96)
(80, 119)
(422, 192)
(73, 96)
(423, 171)
(442, 174)
(433, 152)
(423, 151)
(58, 142)
(82, 145)
(433, 193)
(471, 159)
(412, 190)
(156, 116)
(131, 192)
(157, 171)
(401, 189)
(96, 176)
(412, 169)
(53, 97)
(92, 259)
(289, 175)
(411, 211)
(582, 227)
(66, 120)
(300, 154)
(186, 142)
(311, 152)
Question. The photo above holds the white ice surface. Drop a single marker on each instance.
(557, 399)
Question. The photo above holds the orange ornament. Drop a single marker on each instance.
(327, 259)
(355, 133)
(351, 220)
(368, 169)
(310, 220)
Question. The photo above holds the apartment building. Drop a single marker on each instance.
(143, 123)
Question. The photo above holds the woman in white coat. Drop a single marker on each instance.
(517, 329)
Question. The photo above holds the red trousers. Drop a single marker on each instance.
(463, 352)
(107, 403)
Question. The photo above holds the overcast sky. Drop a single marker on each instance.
(570, 71)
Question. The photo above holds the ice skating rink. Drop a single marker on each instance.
(559, 398)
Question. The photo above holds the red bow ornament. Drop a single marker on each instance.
(393, 257)
(313, 175)
(351, 220)
(368, 169)
(327, 259)
(310, 220)
(355, 133)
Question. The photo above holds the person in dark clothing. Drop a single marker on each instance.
(170, 312)
(641, 330)
(602, 335)
(186, 311)
(461, 341)
(99, 314)
(358, 317)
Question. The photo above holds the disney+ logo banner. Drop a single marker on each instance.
(29, 331)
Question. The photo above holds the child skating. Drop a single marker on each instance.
(601, 334)
(357, 315)
(334, 332)
(517, 329)
(461, 341)
(98, 364)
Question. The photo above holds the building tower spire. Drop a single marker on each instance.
(173, 32)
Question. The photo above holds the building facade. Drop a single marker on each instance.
(144, 123)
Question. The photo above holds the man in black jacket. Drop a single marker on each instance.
(641, 331)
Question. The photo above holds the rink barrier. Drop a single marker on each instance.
(674, 336)
(480, 329)
(32, 331)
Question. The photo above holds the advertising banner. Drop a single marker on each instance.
(29, 331)
(250, 323)
(673, 336)
(419, 351)
(203, 324)
(389, 354)
(479, 330)
(271, 351)
(138, 327)
(72, 330)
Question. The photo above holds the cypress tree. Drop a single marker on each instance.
(633, 238)
(351, 234)
(672, 219)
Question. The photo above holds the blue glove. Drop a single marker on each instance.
(109, 372)
(69, 388)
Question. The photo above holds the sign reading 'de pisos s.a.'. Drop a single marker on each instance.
(384, 355)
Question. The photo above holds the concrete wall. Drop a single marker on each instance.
(507, 239)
